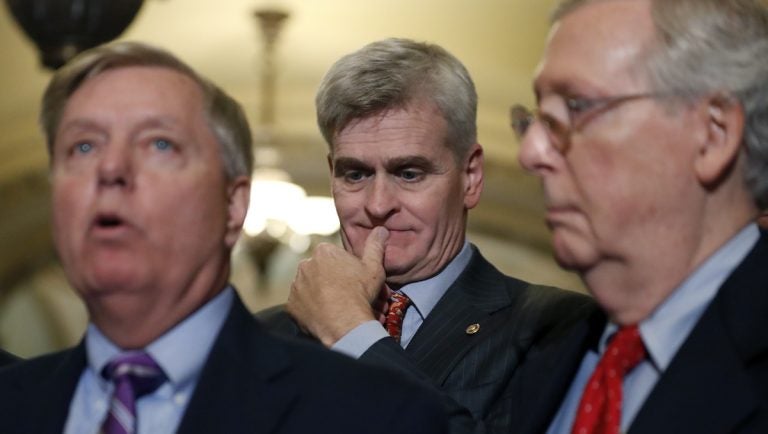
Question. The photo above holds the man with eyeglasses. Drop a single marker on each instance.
(651, 142)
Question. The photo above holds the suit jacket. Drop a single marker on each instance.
(7, 358)
(716, 383)
(473, 370)
(252, 382)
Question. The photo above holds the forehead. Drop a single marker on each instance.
(156, 86)
(414, 129)
(598, 45)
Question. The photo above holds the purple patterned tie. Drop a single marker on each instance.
(134, 374)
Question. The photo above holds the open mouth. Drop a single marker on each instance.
(108, 222)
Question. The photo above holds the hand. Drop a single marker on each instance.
(333, 290)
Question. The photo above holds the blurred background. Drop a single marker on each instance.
(271, 56)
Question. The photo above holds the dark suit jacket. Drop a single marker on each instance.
(716, 383)
(473, 370)
(252, 382)
(7, 358)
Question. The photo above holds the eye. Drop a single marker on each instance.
(578, 105)
(411, 175)
(354, 175)
(83, 148)
(162, 144)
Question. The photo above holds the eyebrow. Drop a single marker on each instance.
(87, 124)
(343, 164)
(411, 161)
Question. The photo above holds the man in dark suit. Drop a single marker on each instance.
(399, 120)
(7, 358)
(150, 175)
(651, 144)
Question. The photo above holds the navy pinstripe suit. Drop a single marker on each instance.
(473, 370)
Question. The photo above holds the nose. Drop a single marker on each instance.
(115, 168)
(537, 155)
(382, 199)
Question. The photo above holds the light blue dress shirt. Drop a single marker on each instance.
(663, 333)
(181, 353)
(424, 296)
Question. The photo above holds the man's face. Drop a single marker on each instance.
(395, 170)
(143, 215)
(623, 189)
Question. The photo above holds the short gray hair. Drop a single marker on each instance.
(226, 118)
(714, 46)
(392, 73)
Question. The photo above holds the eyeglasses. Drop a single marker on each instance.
(580, 112)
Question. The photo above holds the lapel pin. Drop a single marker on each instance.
(472, 329)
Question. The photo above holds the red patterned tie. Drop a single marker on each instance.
(398, 303)
(600, 407)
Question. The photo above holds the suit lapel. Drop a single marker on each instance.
(240, 387)
(443, 339)
(542, 381)
(705, 389)
(53, 393)
(708, 386)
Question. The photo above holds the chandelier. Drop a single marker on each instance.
(280, 209)
(62, 28)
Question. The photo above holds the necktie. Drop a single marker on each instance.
(398, 304)
(134, 374)
(600, 407)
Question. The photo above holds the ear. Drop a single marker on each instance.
(724, 120)
(473, 176)
(238, 198)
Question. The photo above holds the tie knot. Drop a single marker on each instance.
(626, 349)
(137, 369)
(398, 300)
(398, 304)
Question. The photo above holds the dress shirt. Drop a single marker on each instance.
(181, 353)
(663, 332)
(424, 296)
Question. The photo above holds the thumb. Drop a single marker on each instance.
(373, 252)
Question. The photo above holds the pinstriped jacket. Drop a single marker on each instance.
(473, 370)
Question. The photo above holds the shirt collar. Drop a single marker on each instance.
(181, 352)
(665, 330)
(425, 294)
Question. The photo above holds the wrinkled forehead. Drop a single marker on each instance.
(599, 46)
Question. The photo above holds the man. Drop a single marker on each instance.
(651, 144)
(399, 119)
(150, 169)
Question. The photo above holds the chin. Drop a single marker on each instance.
(106, 279)
(573, 253)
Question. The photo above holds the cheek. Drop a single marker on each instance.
(186, 212)
(69, 203)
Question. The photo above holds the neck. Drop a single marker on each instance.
(134, 319)
(630, 289)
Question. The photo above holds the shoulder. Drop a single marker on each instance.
(40, 368)
(7, 358)
(276, 320)
(525, 295)
(340, 387)
(24, 383)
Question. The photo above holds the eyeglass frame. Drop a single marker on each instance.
(523, 118)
